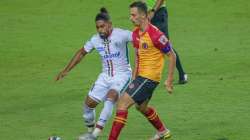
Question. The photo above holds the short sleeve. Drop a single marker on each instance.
(88, 46)
(163, 43)
(128, 35)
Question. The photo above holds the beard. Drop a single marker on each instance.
(103, 35)
(135, 23)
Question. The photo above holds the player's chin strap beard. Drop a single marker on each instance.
(103, 36)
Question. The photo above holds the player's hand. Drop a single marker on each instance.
(60, 75)
(169, 86)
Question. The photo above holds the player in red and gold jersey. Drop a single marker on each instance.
(151, 46)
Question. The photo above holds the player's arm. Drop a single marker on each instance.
(158, 4)
(171, 67)
(156, 7)
(73, 62)
(165, 46)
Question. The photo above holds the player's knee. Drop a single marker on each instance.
(124, 102)
(90, 102)
(112, 95)
(141, 109)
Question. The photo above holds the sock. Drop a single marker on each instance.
(104, 116)
(89, 117)
(118, 124)
(154, 119)
(97, 131)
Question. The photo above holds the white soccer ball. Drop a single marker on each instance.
(87, 136)
(54, 138)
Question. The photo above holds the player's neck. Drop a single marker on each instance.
(144, 25)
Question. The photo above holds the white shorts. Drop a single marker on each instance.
(104, 83)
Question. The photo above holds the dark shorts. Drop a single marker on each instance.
(160, 20)
(141, 89)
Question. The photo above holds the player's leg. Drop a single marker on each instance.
(123, 104)
(152, 116)
(143, 98)
(133, 94)
(117, 84)
(89, 113)
(106, 112)
(96, 95)
(182, 74)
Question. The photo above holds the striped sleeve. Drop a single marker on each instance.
(163, 44)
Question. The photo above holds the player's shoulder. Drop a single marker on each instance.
(135, 32)
(95, 38)
(154, 30)
(120, 31)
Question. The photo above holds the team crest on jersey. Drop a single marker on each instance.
(144, 45)
(163, 40)
(116, 44)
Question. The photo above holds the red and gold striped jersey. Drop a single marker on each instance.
(151, 46)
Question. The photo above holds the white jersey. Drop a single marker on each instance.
(113, 50)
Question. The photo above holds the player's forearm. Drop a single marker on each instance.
(158, 4)
(75, 60)
(171, 65)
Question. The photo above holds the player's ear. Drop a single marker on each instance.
(110, 23)
(142, 15)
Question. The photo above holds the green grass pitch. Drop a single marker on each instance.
(39, 37)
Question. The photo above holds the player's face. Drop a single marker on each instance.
(103, 28)
(136, 17)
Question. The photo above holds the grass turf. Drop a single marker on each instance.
(37, 39)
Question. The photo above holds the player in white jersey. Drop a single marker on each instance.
(111, 44)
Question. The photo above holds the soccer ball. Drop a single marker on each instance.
(87, 136)
(54, 138)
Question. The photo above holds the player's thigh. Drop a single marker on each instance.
(112, 95)
(124, 102)
(120, 82)
(141, 89)
(143, 106)
(99, 89)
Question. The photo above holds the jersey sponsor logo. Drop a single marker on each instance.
(163, 40)
(112, 55)
(144, 45)
(100, 49)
